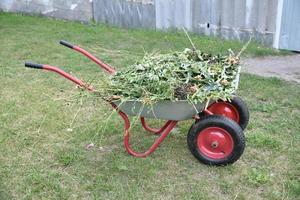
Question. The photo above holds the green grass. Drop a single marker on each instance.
(45, 124)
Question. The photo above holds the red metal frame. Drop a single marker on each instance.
(157, 142)
(164, 130)
(68, 76)
(103, 65)
(154, 130)
(218, 136)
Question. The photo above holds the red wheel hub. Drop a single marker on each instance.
(225, 109)
(215, 143)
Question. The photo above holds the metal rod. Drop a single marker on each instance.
(154, 130)
(68, 76)
(157, 142)
(103, 65)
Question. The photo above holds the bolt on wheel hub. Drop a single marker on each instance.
(215, 143)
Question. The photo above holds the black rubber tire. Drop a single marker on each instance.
(242, 109)
(230, 126)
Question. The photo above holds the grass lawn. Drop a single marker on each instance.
(45, 123)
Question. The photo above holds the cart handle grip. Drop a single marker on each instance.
(33, 65)
(67, 44)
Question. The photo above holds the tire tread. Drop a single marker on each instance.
(229, 125)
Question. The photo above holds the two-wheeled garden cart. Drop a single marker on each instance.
(216, 137)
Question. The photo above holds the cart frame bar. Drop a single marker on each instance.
(163, 131)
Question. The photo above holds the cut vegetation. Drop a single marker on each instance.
(189, 75)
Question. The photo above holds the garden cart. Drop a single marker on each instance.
(216, 137)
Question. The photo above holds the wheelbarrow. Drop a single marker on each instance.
(215, 138)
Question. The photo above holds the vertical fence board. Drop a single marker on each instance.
(239, 14)
(126, 14)
(173, 14)
(290, 30)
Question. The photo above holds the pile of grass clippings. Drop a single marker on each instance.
(189, 75)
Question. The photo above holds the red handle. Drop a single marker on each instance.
(103, 65)
(60, 72)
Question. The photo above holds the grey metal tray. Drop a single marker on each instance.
(168, 110)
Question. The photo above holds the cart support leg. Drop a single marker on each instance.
(154, 130)
(165, 132)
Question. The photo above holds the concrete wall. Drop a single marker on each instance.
(229, 19)
(80, 10)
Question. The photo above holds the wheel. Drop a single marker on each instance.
(216, 140)
(236, 109)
